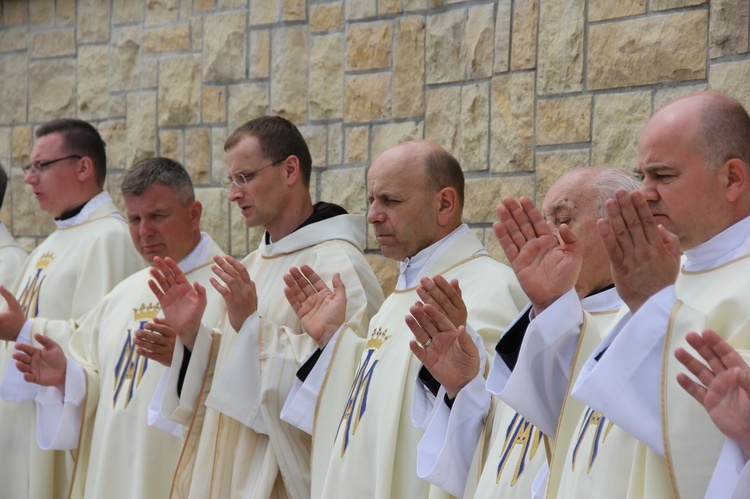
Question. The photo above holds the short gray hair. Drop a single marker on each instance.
(147, 172)
(609, 181)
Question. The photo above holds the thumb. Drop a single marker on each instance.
(567, 235)
(671, 241)
(8, 296)
(45, 342)
(338, 285)
(200, 290)
(466, 342)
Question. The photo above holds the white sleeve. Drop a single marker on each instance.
(731, 465)
(445, 453)
(539, 487)
(536, 388)
(155, 418)
(624, 384)
(59, 416)
(299, 407)
(13, 387)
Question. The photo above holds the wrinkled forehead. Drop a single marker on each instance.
(397, 173)
(570, 193)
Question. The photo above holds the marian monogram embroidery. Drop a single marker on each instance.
(356, 404)
(526, 437)
(131, 367)
(29, 298)
(595, 419)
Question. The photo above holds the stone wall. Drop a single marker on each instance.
(519, 90)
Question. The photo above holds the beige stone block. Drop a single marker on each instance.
(446, 46)
(289, 72)
(118, 105)
(179, 90)
(389, 7)
(525, 20)
(238, 232)
(205, 5)
(93, 62)
(172, 145)
(247, 101)
(41, 13)
(126, 11)
(728, 28)
(655, 5)
(125, 58)
(408, 68)
(215, 215)
(391, 134)
(52, 83)
(13, 39)
(360, 9)
(14, 12)
(345, 187)
(327, 77)
(214, 104)
(198, 155)
(502, 36)
(560, 57)
(483, 195)
(21, 140)
(65, 12)
(263, 12)
(161, 11)
(414, 5)
(665, 95)
(93, 21)
(564, 120)
(475, 120)
(149, 74)
(224, 47)
(441, 125)
(618, 121)
(368, 45)
(512, 122)
(5, 148)
(218, 169)
(367, 97)
(260, 53)
(52, 43)
(335, 144)
(28, 219)
(13, 88)
(385, 269)
(315, 136)
(113, 185)
(196, 29)
(731, 78)
(140, 126)
(357, 144)
(326, 16)
(233, 4)
(164, 39)
(600, 10)
(551, 165)
(313, 186)
(293, 10)
(113, 133)
(657, 49)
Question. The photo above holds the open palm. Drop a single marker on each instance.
(43, 366)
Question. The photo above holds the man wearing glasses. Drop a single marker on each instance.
(236, 451)
(63, 278)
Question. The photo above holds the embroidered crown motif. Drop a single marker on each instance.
(377, 339)
(146, 312)
(45, 260)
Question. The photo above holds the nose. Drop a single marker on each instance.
(30, 178)
(234, 193)
(145, 228)
(648, 189)
(374, 213)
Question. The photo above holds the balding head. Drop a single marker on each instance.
(416, 193)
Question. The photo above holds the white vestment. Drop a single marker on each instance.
(236, 445)
(511, 449)
(104, 412)
(12, 258)
(364, 443)
(63, 278)
(633, 383)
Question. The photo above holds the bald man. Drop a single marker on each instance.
(356, 397)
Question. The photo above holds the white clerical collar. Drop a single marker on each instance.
(732, 242)
(99, 200)
(411, 269)
(198, 255)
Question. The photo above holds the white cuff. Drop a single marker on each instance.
(59, 416)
